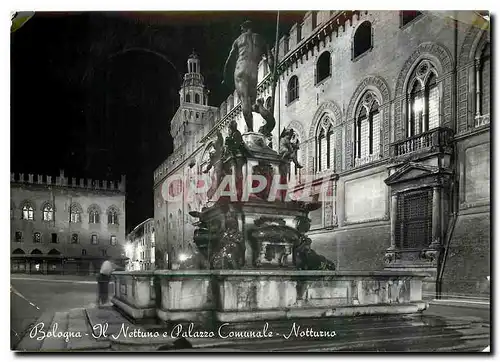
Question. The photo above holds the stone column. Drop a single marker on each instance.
(436, 216)
(477, 64)
(394, 208)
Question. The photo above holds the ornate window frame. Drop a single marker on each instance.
(48, 212)
(442, 61)
(113, 214)
(94, 212)
(422, 75)
(30, 209)
(368, 105)
(75, 209)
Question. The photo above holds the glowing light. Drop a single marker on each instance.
(128, 249)
(418, 105)
(183, 257)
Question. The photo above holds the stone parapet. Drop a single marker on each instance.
(63, 181)
(249, 295)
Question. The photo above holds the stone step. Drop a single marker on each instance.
(367, 333)
(30, 341)
(386, 340)
(453, 331)
(55, 343)
(78, 323)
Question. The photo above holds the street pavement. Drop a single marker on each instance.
(70, 302)
(31, 296)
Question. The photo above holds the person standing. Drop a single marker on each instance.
(103, 282)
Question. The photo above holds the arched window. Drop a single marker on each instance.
(188, 97)
(362, 39)
(293, 89)
(75, 213)
(367, 130)
(18, 251)
(74, 239)
(112, 216)
(28, 211)
(423, 94)
(112, 240)
(484, 82)
(323, 69)
(325, 145)
(196, 98)
(48, 212)
(37, 237)
(94, 240)
(94, 214)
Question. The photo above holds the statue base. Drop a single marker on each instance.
(257, 145)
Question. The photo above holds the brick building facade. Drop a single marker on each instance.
(392, 111)
(140, 247)
(65, 226)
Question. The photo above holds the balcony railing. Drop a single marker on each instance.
(433, 139)
(482, 120)
(367, 159)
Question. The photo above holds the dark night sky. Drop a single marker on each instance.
(79, 102)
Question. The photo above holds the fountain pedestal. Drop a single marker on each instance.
(258, 263)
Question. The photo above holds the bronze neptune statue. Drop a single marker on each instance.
(249, 48)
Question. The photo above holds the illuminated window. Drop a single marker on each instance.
(94, 240)
(367, 127)
(75, 213)
(94, 214)
(48, 213)
(113, 216)
(112, 241)
(423, 100)
(325, 145)
(27, 212)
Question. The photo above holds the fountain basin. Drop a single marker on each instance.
(250, 295)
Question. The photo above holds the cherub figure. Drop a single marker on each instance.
(289, 145)
(216, 154)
